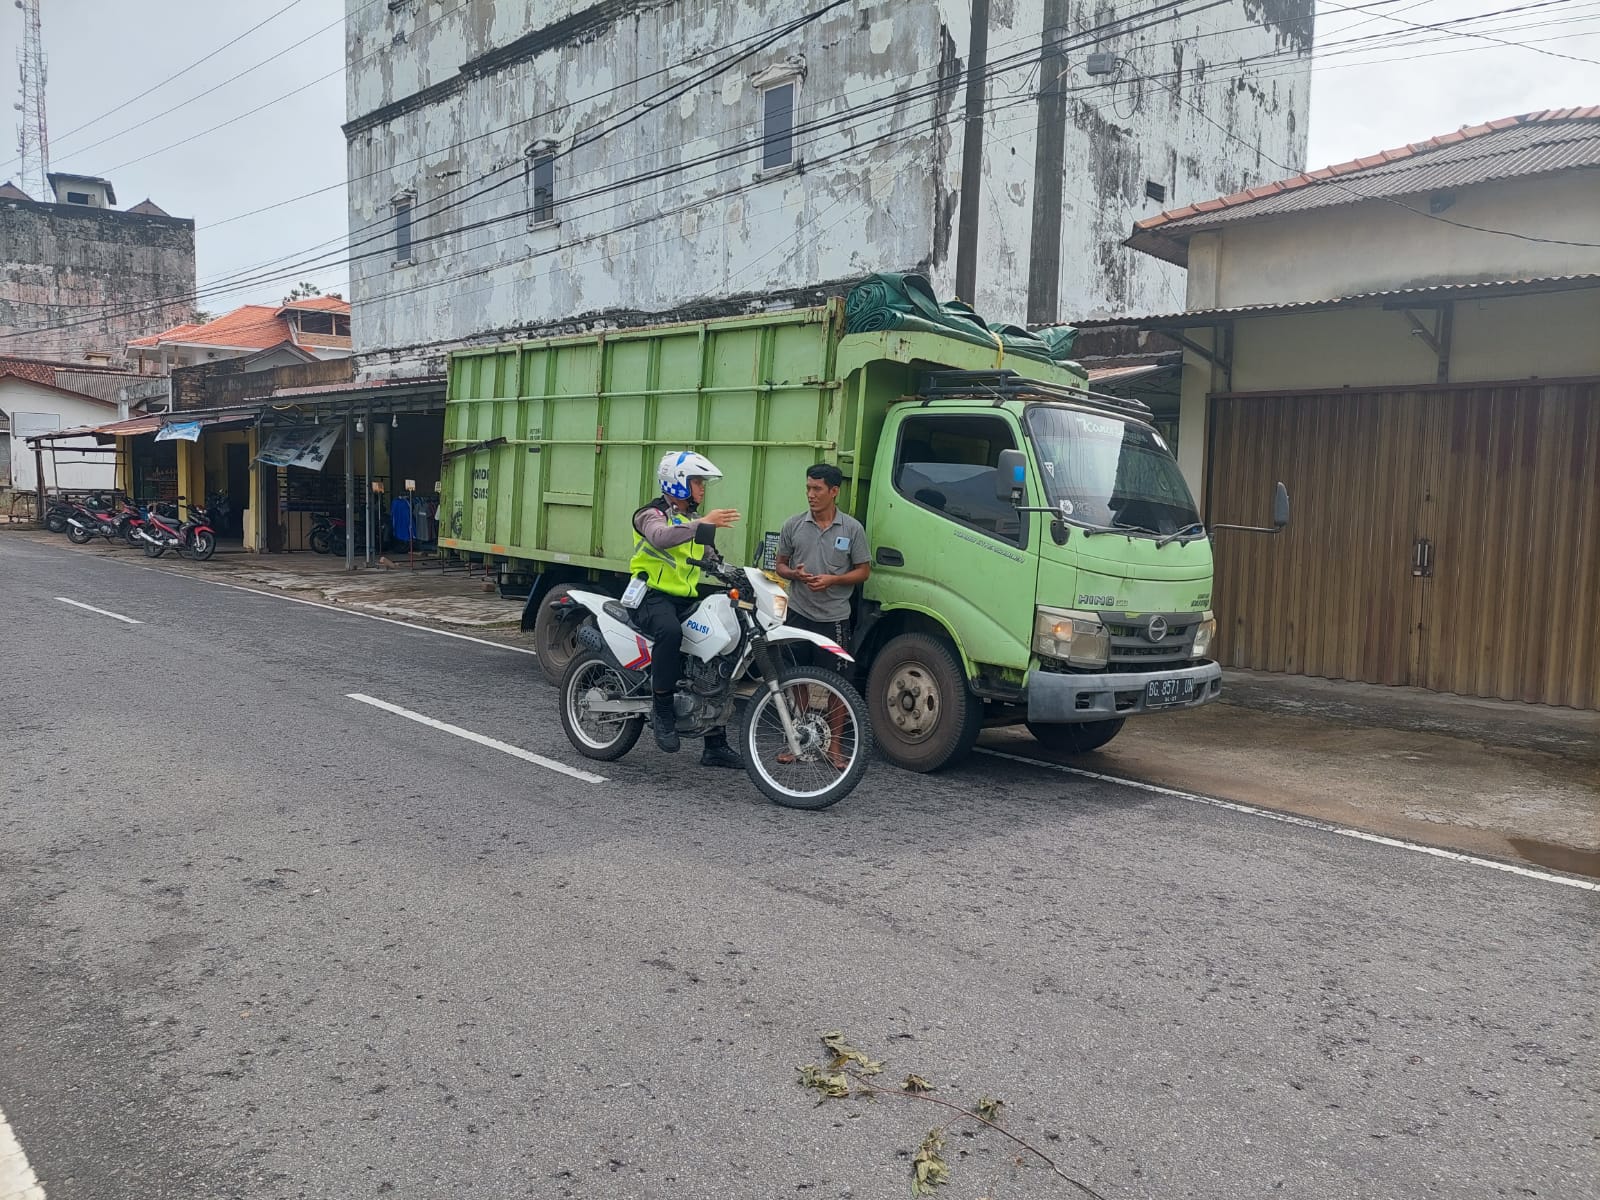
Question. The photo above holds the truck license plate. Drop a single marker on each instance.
(1161, 693)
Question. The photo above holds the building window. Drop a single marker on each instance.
(777, 126)
(78, 198)
(1155, 191)
(539, 182)
(402, 231)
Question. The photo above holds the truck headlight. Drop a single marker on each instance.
(1077, 638)
(1204, 632)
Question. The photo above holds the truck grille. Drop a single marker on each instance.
(1130, 647)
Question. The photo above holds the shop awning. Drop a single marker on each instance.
(133, 427)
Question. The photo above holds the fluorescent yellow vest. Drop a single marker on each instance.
(665, 570)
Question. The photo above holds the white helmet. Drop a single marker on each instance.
(678, 467)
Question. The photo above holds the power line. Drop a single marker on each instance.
(1344, 185)
(1484, 36)
(155, 87)
(286, 95)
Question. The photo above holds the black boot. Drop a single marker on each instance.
(664, 723)
(718, 753)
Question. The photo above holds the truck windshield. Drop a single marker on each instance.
(1112, 473)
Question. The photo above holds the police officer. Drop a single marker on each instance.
(663, 544)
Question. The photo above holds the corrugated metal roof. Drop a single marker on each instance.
(1531, 144)
(1483, 290)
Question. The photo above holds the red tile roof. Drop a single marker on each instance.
(319, 304)
(253, 327)
(1522, 156)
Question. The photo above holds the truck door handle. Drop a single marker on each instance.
(1422, 558)
(888, 556)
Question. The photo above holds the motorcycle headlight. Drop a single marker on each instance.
(1077, 638)
(780, 606)
(1204, 633)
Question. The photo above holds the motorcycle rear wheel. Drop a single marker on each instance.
(79, 537)
(56, 522)
(319, 541)
(604, 736)
(835, 739)
(154, 549)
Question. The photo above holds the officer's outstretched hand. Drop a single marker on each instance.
(722, 518)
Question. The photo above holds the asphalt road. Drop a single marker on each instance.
(258, 939)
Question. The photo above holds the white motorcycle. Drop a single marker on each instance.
(803, 735)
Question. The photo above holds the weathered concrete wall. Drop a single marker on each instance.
(1246, 65)
(668, 214)
(75, 280)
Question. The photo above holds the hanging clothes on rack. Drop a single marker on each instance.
(400, 518)
(421, 520)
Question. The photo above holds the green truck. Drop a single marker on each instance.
(1037, 556)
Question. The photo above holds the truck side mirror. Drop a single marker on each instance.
(1011, 477)
(1280, 507)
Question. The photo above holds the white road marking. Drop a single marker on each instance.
(17, 1180)
(333, 608)
(103, 612)
(1361, 835)
(537, 760)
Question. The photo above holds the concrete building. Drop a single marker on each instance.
(1411, 342)
(79, 278)
(519, 167)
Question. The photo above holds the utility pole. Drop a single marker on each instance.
(33, 139)
(972, 155)
(1049, 166)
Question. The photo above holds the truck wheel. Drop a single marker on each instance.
(555, 640)
(1077, 738)
(923, 716)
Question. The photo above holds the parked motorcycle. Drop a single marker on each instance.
(114, 522)
(193, 538)
(56, 514)
(803, 734)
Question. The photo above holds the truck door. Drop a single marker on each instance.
(944, 542)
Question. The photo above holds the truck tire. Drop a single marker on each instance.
(555, 641)
(1077, 738)
(923, 715)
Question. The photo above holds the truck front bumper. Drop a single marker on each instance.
(1055, 698)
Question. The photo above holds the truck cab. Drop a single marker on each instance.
(1037, 558)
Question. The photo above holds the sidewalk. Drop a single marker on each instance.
(1513, 781)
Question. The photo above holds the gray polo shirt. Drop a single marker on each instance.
(831, 551)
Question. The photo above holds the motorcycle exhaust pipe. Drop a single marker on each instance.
(75, 523)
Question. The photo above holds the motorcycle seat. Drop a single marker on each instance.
(616, 612)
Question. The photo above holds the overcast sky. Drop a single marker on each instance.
(1392, 86)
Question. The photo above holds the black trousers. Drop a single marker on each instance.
(806, 655)
(661, 617)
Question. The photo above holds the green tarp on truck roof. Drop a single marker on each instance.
(907, 302)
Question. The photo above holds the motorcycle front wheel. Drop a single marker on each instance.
(835, 741)
(590, 680)
(203, 545)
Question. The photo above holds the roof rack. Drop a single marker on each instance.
(1008, 385)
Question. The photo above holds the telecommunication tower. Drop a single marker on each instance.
(33, 139)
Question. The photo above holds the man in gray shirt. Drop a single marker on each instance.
(824, 554)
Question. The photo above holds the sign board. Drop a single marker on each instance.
(179, 431)
(27, 425)
(306, 446)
